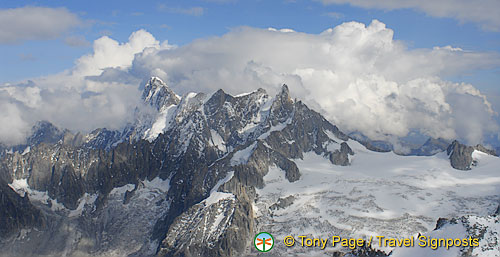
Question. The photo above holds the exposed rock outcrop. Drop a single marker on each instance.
(17, 212)
(283, 202)
(460, 155)
(341, 157)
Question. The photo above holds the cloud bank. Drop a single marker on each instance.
(96, 92)
(483, 12)
(32, 23)
(358, 76)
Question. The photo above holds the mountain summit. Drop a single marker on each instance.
(157, 94)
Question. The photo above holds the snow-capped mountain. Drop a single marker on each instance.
(200, 174)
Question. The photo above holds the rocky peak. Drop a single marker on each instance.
(217, 100)
(45, 132)
(460, 155)
(284, 95)
(158, 94)
(282, 106)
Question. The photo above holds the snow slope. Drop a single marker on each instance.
(379, 194)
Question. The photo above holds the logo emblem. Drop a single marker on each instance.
(263, 242)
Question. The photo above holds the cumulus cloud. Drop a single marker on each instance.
(97, 92)
(358, 76)
(30, 23)
(14, 129)
(109, 53)
(483, 12)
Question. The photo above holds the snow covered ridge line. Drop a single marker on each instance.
(178, 105)
(192, 101)
(175, 108)
(171, 110)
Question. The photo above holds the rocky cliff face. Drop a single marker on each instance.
(17, 212)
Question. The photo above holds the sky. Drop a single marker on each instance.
(370, 66)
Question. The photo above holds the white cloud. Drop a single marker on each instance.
(97, 92)
(14, 129)
(109, 53)
(483, 12)
(358, 76)
(33, 23)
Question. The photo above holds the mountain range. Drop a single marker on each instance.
(201, 174)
